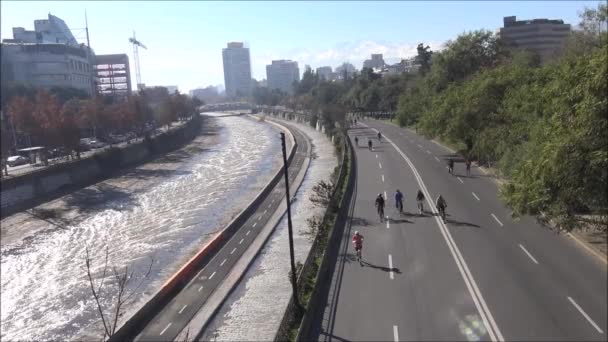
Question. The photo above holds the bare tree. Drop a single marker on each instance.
(114, 283)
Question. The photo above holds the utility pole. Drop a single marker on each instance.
(289, 227)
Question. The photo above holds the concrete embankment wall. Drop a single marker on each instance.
(26, 191)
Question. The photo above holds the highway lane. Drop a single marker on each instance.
(525, 282)
(409, 286)
(539, 285)
(167, 324)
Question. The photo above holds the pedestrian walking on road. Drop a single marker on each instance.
(468, 165)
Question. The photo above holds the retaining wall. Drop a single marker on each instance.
(23, 192)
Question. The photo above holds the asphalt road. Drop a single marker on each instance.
(173, 318)
(479, 276)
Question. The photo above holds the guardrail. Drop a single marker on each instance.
(177, 282)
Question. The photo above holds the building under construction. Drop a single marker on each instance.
(113, 75)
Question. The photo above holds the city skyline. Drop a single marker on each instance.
(180, 53)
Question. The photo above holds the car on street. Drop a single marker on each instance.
(17, 160)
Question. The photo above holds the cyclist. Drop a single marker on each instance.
(441, 205)
(380, 206)
(358, 242)
(399, 201)
(369, 144)
(451, 166)
(420, 200)
(379, 136)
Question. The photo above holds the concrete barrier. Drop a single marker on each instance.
(129, 330)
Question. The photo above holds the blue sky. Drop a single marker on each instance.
(185, 39)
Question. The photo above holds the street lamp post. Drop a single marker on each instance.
(289, 226)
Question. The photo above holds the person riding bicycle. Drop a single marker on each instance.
(380, 206)
(399, 200)
(369, 144)
(420, 200)
(451, 166)
(358, 242)
(379, 136)
(441, 204)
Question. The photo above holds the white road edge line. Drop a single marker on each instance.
(376, 156)
(265, 211)
(497, 220)
(390, 266)
(585, 314)
(167, 327)
(222, 264)
(385, 197)
(419, 145)
(255, 224)
(428, 152)
(387, 225)
(383, 178)
(460, 180)
(396, 333)
(211, 276)
(480, 304)
(240, 242)
(437, 159)
(474, 195)
(528, 253)
(249, 231)
(234, 250)
(200, 288)
(182, 309)
(380, 164)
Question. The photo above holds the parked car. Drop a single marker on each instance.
(17, 160)
(96, 144)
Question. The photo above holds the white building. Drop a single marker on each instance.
(282, 74)
(377, 62)
(47, 57)
(324, 72)
(237, 70)
(48, 65)
(542, 36)
(52, 30)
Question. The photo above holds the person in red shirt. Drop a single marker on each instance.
(358, 242)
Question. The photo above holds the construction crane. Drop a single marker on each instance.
(136, 43)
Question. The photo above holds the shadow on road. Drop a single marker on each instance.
(331, 337)
(382, 268)
(359, 221)
(458, 223)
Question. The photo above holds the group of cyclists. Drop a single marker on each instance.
(440, 204)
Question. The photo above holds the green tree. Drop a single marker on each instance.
(424, 58)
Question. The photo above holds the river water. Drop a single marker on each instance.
(45, 292)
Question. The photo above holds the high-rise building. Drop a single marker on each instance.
(377, 62)
(345, 67)
(237, 70)
(324, 72)
(113, 75)
(542, 36)
(282, 74)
